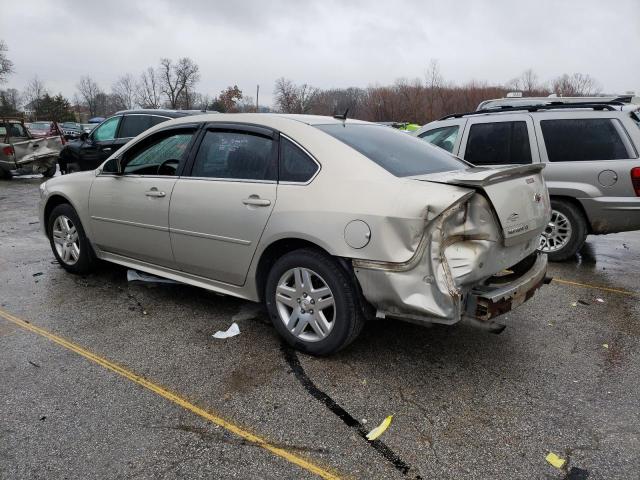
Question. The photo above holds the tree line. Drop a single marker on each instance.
(420, 100)
(173, 84)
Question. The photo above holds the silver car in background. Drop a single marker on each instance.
(325, 220)
(590, 150)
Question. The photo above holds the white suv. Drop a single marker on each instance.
(590, 151)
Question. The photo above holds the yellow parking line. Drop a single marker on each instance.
(173, 397)
(596, 287)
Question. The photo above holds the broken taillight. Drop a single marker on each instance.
(8, 151)
(635, 180)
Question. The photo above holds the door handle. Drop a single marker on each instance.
(256, 201)
(153, 192)
(106, 149)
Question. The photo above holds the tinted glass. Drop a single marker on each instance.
(295, 164)
(400, 154)
(39, 126)
(574, 140)
(498, 143)
(238, 155)
(155, 120)
(160, 155)
(106, 131)
(134, 125)
(444, 137)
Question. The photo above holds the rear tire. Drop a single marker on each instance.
(69, 243)
(565, 233)
(313, 302)
(50, 172)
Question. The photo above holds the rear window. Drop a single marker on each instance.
(498, 143)
(584, 139)
(400, 154)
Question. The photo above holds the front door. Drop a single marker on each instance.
(98, 146)
(219, 211)
(130, 212)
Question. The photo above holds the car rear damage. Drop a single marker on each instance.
(476, 260)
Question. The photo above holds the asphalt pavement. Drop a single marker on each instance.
(142, 390)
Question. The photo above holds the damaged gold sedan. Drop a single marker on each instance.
(326, 220)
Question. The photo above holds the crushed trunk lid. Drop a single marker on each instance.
(518, 195)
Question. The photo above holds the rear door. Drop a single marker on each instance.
(491, 140)
(220, 209)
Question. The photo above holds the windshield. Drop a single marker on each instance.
(400, 154)
(39, 126)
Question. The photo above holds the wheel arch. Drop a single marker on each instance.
(576, 203)
(279, 247)
(52, 202)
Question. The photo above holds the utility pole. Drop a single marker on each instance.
(257, 93)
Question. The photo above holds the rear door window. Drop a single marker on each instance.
(443, 137)
(498, 143)
(237, 155)
(584, 139)
(134, 125)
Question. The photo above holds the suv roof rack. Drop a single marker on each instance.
(607, 105)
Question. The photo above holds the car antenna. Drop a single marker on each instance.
(342, 116)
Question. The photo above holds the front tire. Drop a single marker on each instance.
(566, 232)
(313, 302)
(69, 243)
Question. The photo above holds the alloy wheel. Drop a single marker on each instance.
(556, 234)
(66, 240)
(305, 304)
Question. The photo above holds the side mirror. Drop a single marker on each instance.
(84, 136)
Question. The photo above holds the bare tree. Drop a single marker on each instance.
(148, 92)
(434, 85)
(576, 85)
(124, 90)
(178, 78)
(91, 94)
(290, 98)
(33, 94)
(6, 65)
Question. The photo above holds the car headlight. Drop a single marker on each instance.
(43, 189)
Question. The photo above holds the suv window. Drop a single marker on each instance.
(236, 155)
(295, 164)
(15, 130)
(443, 137)
(498, 143)
(106, 131)
(159, 155)
(398, 153)
(134, 125)
(583, 139)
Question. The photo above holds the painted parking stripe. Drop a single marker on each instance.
(596, 287)
(174, 398)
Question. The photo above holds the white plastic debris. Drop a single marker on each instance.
(232, 331)
(136, 276)
(599, 300)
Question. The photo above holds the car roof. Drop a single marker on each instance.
(266, 119)
(161, 112)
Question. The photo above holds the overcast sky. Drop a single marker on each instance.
(324, 43)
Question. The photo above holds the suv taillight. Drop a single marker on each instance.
(8, 151)
(635, 180)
